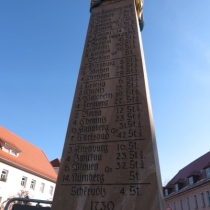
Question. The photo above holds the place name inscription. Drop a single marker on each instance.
(105, 150)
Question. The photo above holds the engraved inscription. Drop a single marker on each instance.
(109, 137)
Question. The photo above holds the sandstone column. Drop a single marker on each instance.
(110, 159)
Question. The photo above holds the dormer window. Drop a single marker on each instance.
(193, 177)
(166, 192)
(191, 180)
(177, 187)
(168, 189)
(13, 150)
(208, 172)
(5, 149)
(10, 151)
(13, 153)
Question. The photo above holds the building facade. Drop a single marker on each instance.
(24, 167)
(190, 188)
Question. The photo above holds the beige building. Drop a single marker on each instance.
(190, 188)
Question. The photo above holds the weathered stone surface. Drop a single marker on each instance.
(110, 159)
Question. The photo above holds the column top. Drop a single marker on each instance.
(139, 5)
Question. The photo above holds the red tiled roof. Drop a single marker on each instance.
(208, 164)
(179, 181)
(196, 165)
(56, 162)
(194, 173)
(31, 157)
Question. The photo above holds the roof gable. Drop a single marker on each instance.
(56, 162)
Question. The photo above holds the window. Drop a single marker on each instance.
(174, 206)
(13, 153)
(5, 149)
(32, 186)
(191, 180)
(208, 197)
(188, 204)
(166, 192)
(4, 175)
(195, 202)
(177, 187)
(181, 206)
(42, 187)
(203, 200)
(23, 181)
(208, 172)
(51, 190)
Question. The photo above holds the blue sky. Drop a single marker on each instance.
(41, 45)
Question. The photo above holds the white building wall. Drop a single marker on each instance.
(174, 202)
(13, 184)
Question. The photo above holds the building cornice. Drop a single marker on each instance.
(26, 169)
(188, 189)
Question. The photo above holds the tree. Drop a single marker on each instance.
(21, 194)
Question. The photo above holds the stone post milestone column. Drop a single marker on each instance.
(110, 159)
